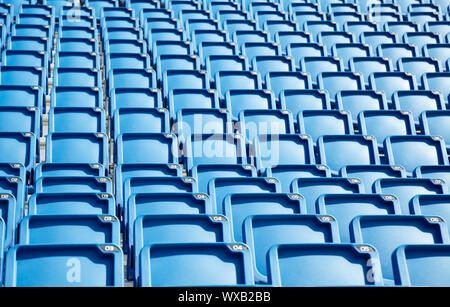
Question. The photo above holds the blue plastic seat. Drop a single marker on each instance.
(134, 98)
(423, 17)
(301, 17)
(337, 151)
(433, 172)
(176, 62)
(437, 82)
(65, 59)
(180, 5)
(138, 5)
(24, 58)
(66, 8)
(286, 173)
(369, 65)
(200, 36)
(208, 49)
(368, 174)
(266, 64)
(387, 233)
(76, 96)
(286, 38)
(193, 25)
(419, 66)
(283, 149)
(422, 39)
(278, 81)
(77, 77)
(216, 5)
(7, 221)
(188, 14)
(346, 207)
(276, 26)
(191, 99)
(310, 265)
(119, 22)
(77, 147)
(233, 26)
(418, 101)
(99, 5)
(217, 63)
(232, 80)
(196, 264)
(185, 79)
(214, 149)
(441, 27)
(220, 188)
(336, 82)
(116, 12)
(316, 26)
(316, 65)
(140, 120)
(262, 17)
(262, 232)
(401, 28)
(301, 50)
(77, 45)
(45, 169)
(397, 51)
(250, 36)
(435, 122)
(123, 33)
(93, 259)
(357, 101)
(358, 27)
(76, 120)
(132, 78)
(69, 229)
(437, 51)
(254, 7)
(430, 151)
(125, 46)
(347, 51)
(80, 21)
(19, 147)
(77, 32)
(20, 119)
(335, 7)
(374, 39)
(392, 82)
(116, 61)
(253, 49)
(37, 19)
(24, 75)
(300, 100)
(384, 123)
(73, 184)
(324, 122)
(157, 148)
(28, 31)
(431, 205)
(344, 17)
(331, 38)
(384, 17)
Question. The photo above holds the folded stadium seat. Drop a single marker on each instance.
(434, 172)
(77, 148)
(208, 49)
(401, 28)
(254, 7)
(233, 26)
(69, 229)
(392, 7)
(392, 82)
(253, 49)
(168, 185)
(384, 123)
(79, 21)
(262, 17)
(19, 147)
(224, 15)
(68, 170)
(201, 121)
(240, 100)
(265, 231)
(123, 33)
(176, 62)
(193, 25)
(312, 265)
(154, 13)
(132, 78)
(216, 63)
(147, 230)
(437, 51)
(238, 207)
(269, 123)
(13, 170)
(437, 82)
(301, 50)
(28, 31)
(187, 14)
(24, 76)
(215, 6)
(204, 173)
(219, 188)
(125, 46)
(431, 205)
(36, 19)
(8, 221)
(77, 32)
(440, 27)
(184, 79)
(76, 120)
(77, 45)
(302, 17)
(324, 122)
(418, 101)
(347, 51)
(201, 36)
(384, 17)
(99, 5)
(140, 120)
(73, 184)
(421, 39)
(76, 96)
(151, 23)
(250, 36)
(116, 61)
(116, 12)
(436, 123)
(179, 5)
(374, 39)
(16, 187)
(65, 59)
(423, 17)
(286, 38)
(419, 66)
(15, 95)
(66, 8)
(25, 58)
(134, 98)
(343, 17)
(315, 65)
(330, 38)
(397, 51)
(266, 64)
(283, 149)
(20, 119)
(227, 81)
(405, 189)
(336, 82)
(138, 5)
(191, 99)
(387, 233)
(94, 260)
(77, 77)
(195, 264)
(300, 6)
(368, 65)
(159, 148)
(358, 27)
(315, 27)
(279, 81)
(337, 151)
(276, 26)
(346, 207)
(300, 100)
(431, 148)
